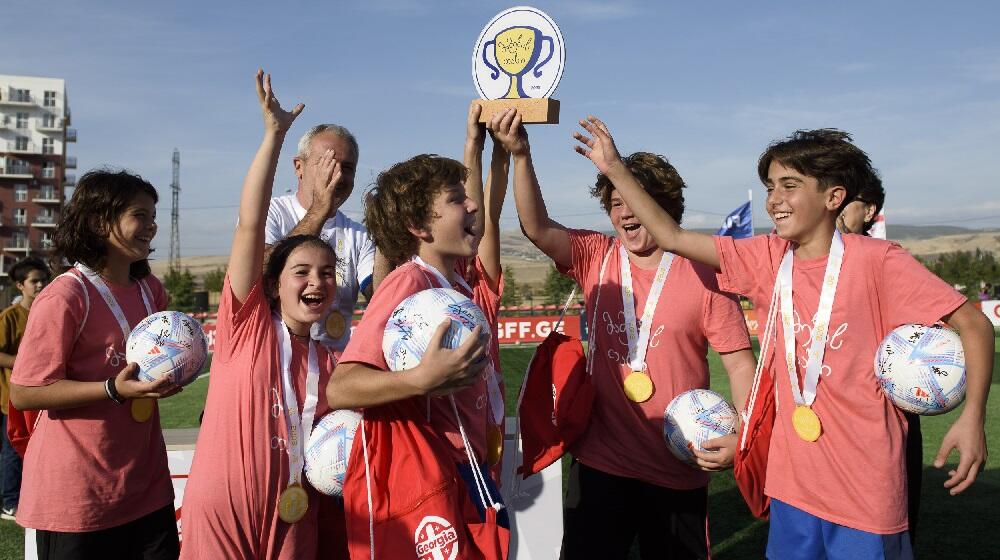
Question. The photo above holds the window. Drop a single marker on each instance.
(18, 240)
(21, 96)
(49, 170)
(20, 193)
(50, 99)
(47, 240)
(21, 144)
(47, 192)
(48, 146)
(20, 215)
(45, 217)
(22, 120)
(49, 120)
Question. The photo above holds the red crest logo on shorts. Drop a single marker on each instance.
(436, 539)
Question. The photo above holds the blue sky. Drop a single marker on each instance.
(708, 85)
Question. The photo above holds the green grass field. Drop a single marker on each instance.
(950, 527)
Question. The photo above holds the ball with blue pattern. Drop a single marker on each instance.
(922, 369)
(168, 343)
(329, 449)
(413, 322)
(694, 417)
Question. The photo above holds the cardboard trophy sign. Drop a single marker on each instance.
(517, 62)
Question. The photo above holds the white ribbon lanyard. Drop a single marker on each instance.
(110, 300)
(442, 279)
(638, 338)
(299, 428)
(817, 347)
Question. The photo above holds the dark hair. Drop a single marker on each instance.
(21, 269)
(872, 193)
(826, 154)
(657, 177)
(277, 258)
(402, 198)
(100, 198)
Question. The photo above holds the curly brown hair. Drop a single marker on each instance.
(656, 176)
(828, 155)
(402, 198)
(100, 198)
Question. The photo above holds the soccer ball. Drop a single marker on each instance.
(328, 450)
(168, 343)
(694, 417)
(412, 324)
(922, 369)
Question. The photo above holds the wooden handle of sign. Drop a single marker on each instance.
(533, 111)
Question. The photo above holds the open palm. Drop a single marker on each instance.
(275, 118)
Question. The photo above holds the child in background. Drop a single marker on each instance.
(420, 213)
(30, 275)
(836, 472)
(95, 480)
(624, 484)
(246, 497)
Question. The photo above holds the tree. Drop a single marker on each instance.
(213, 280)
(557, 286)
(966, 270)
(513, 292)
(180, 287)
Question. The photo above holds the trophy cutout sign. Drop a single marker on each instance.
(517, 62)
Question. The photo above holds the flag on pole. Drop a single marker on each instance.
(877, 230)
(738, 223)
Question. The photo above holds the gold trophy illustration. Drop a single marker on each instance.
(518, 62)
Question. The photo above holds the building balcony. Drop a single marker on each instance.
(44, 222)
(14, 100)
(47, 196)
(52, 126)
(6, 123)
(48, 173)
(29, 147)
(71, 135)
(69, 181)
(15, 171)
(70, 162)
(17, 245)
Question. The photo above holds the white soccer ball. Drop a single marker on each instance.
(168, 343)
(412, 324)
(329, 449)
(922, 369)
(694, 417)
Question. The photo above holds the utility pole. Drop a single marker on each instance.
(175, 229)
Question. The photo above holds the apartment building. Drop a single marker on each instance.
(34, 165)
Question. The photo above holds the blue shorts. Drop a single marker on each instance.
(795, 534)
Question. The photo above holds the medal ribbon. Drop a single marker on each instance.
(638, 339)
(299, 428)
(821, 324)
(110, 300)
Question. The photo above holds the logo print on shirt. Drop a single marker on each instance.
(436, 539)
(833, 341)
(113, 358)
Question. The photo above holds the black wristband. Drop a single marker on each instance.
(109, 388)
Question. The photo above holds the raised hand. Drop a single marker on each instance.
(442, 370)
(276, 119)
(475, 132)
(505, 127)
(599, 147)
(130, 387)
(323, 175)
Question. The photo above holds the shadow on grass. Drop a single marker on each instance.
(960, 526)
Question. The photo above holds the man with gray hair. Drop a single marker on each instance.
(325, 165)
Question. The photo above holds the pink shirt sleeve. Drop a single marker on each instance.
(748, 265)
(55, 318)
(913, 294)
(366, 342)
(722, 318)
(588, 249)
(236, 321)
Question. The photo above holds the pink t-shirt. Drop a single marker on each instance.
(240, 465)
(853, 475)
(366, 347)
(91, 467)
(625, 438)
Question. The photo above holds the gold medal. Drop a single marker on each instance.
(494, 444)
(293, 503)
(638, 386)
(806, 423)
(335, 325)
(142, 409)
